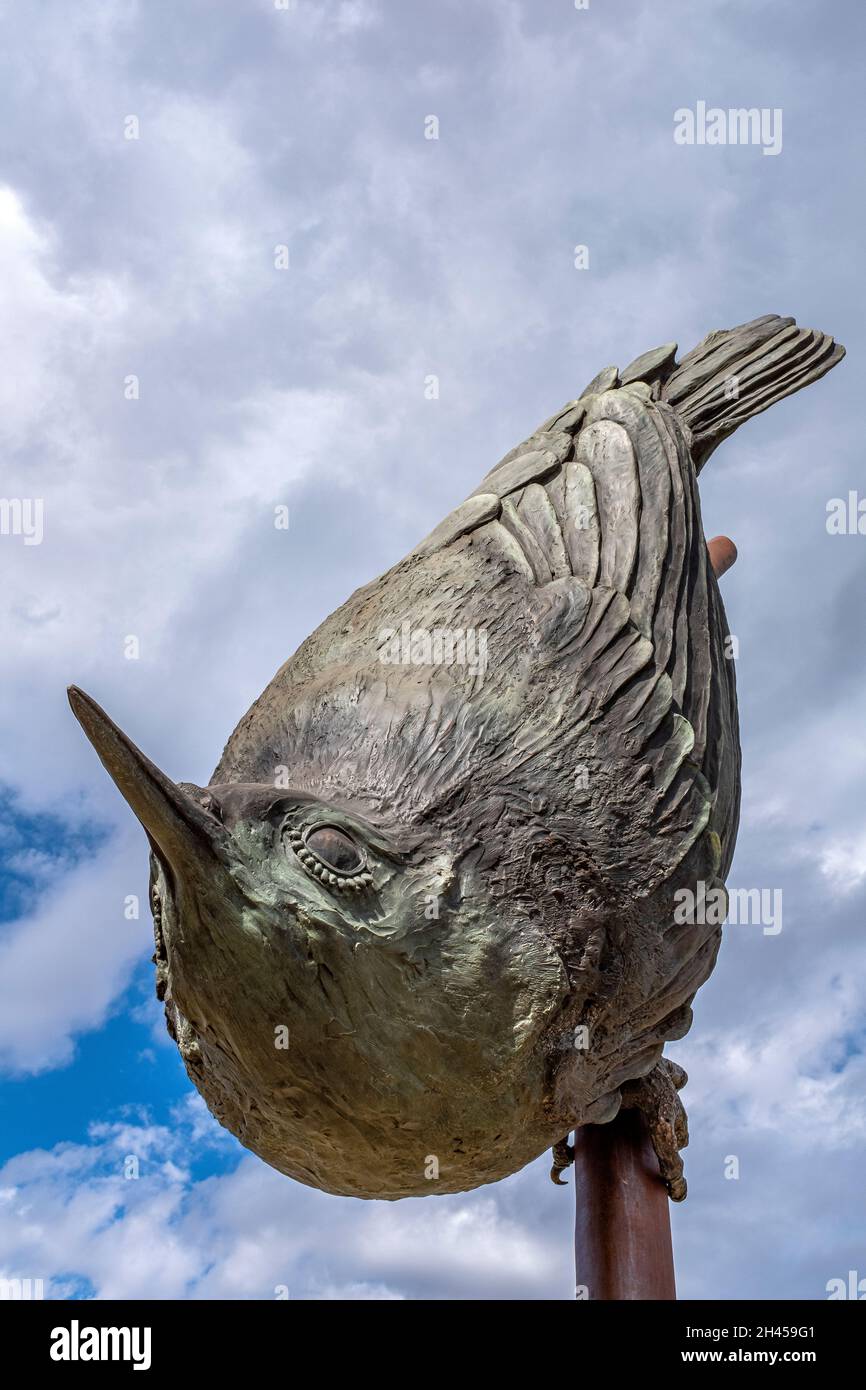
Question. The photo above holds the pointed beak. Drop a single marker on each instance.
(184, 833)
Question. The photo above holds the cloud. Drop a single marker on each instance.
(65, 962)
(247, 1233)
(51, 318)
(844, 864)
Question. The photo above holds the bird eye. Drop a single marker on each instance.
(335, 850)
(331, 856)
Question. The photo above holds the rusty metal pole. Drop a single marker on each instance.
(622, 1230)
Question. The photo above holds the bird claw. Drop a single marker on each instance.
(655, 1096)
(563, 1157)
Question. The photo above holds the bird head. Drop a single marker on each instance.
(306, 958)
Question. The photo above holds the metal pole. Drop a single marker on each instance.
(622, 1231)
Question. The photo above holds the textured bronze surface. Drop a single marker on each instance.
(421, 923)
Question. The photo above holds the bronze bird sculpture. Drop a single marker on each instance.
(420, 924)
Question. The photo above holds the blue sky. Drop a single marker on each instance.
(154, 258)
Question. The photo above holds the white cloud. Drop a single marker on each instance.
(70, 1211)
(844, 864)
(50, 321)
(64, 964)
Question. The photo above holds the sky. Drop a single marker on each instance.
(230, 261)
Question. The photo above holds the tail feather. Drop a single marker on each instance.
(736, 373)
